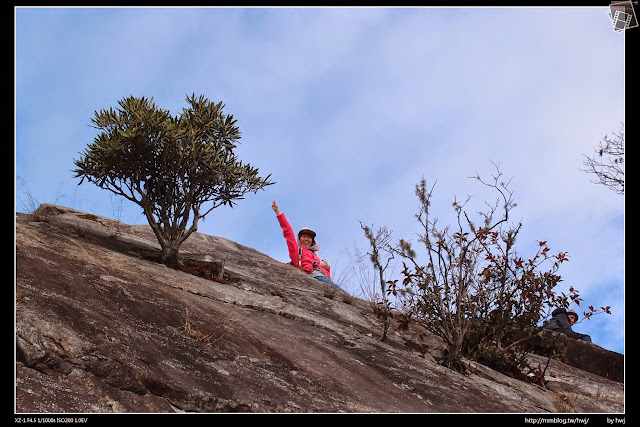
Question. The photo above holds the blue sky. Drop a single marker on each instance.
(347, 109)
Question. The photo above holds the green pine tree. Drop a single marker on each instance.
(170, 166)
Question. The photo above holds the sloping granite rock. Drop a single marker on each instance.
(102, 327)
(583, 355)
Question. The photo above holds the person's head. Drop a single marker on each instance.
(572, 315)
(306, 237)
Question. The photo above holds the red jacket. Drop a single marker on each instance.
(308, 257)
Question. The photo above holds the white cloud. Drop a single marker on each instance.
(348, 108)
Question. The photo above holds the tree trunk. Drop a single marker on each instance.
(169, 253)
(170, 256)
(455, 352)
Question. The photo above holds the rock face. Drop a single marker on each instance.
(102, 327)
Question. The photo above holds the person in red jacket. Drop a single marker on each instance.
(303, 249)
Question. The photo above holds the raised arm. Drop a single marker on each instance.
(275, 208)
(287, 232)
